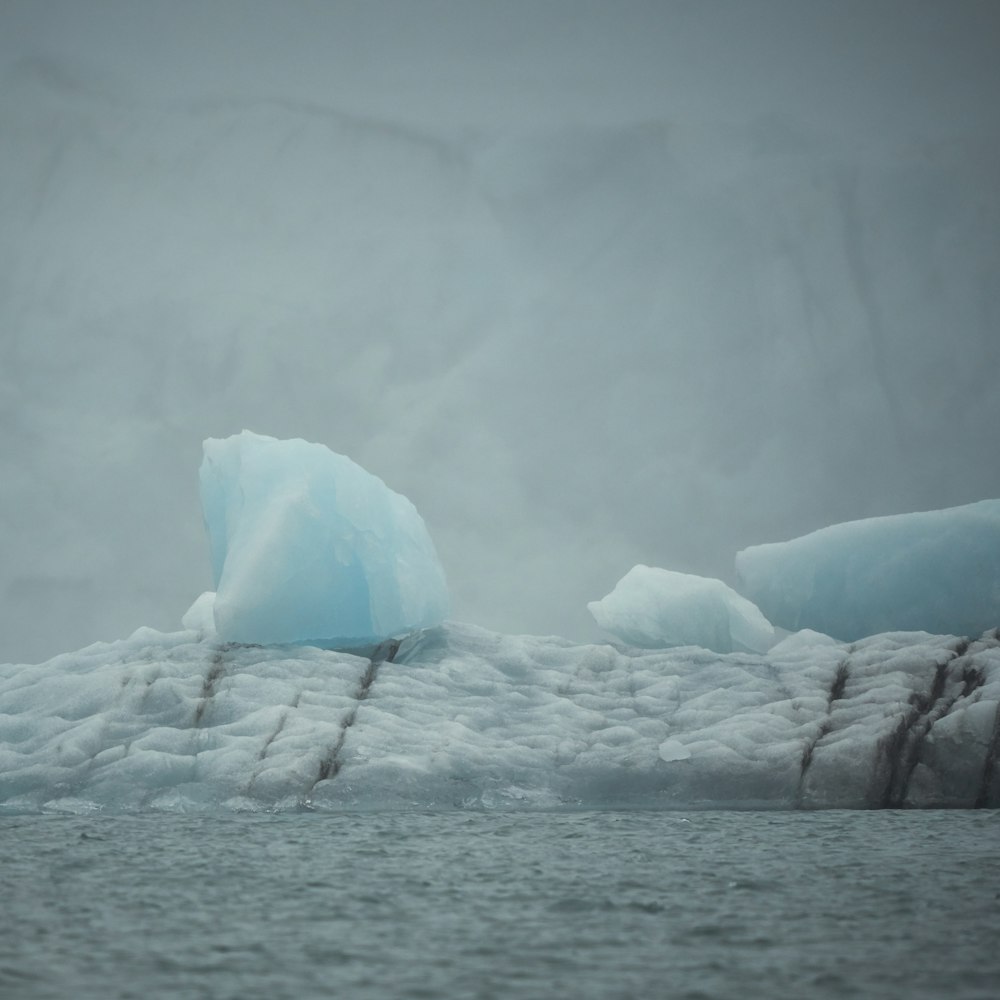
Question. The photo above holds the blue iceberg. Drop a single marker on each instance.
(937, 571)
(656, 608)
(309, 548)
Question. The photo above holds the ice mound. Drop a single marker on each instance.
(937, 571)
(458, 717)
(307, 547)
(657, 608)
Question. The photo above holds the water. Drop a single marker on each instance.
(450, 905)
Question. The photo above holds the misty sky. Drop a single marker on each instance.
(592, 284)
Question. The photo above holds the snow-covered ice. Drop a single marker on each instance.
(936, 571)
(458, 717)
(309, 547)
(656, 608)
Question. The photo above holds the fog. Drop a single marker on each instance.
(591, 284)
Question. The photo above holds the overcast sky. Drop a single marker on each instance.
(906, 66)
(592, 284)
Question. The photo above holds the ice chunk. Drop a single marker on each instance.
(307, 547)
(657, 608)
(937, 571)
(672, 750)
(200, 617)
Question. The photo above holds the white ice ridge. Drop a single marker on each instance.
(459, 717)
(936, 571)
(309, 547)
(656, 608)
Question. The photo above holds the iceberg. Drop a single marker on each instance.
(455, 717)
(321, 675)
(936, 571)
(308, 547)
(656, 608)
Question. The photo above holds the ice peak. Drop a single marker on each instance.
(307, 547)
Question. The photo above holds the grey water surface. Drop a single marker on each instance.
(512, 905)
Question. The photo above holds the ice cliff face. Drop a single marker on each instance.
(460, 717)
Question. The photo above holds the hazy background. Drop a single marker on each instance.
(592, 284)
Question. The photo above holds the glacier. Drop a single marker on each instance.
(655, 608)
(935, 571)
(457, 717)
(309, 547)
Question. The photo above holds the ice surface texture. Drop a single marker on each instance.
(657, 608)
(937, 571)
(460, 717)
(309, 547)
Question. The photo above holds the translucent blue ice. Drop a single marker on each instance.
(656, 608)
(307, 547)
(937, 571)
